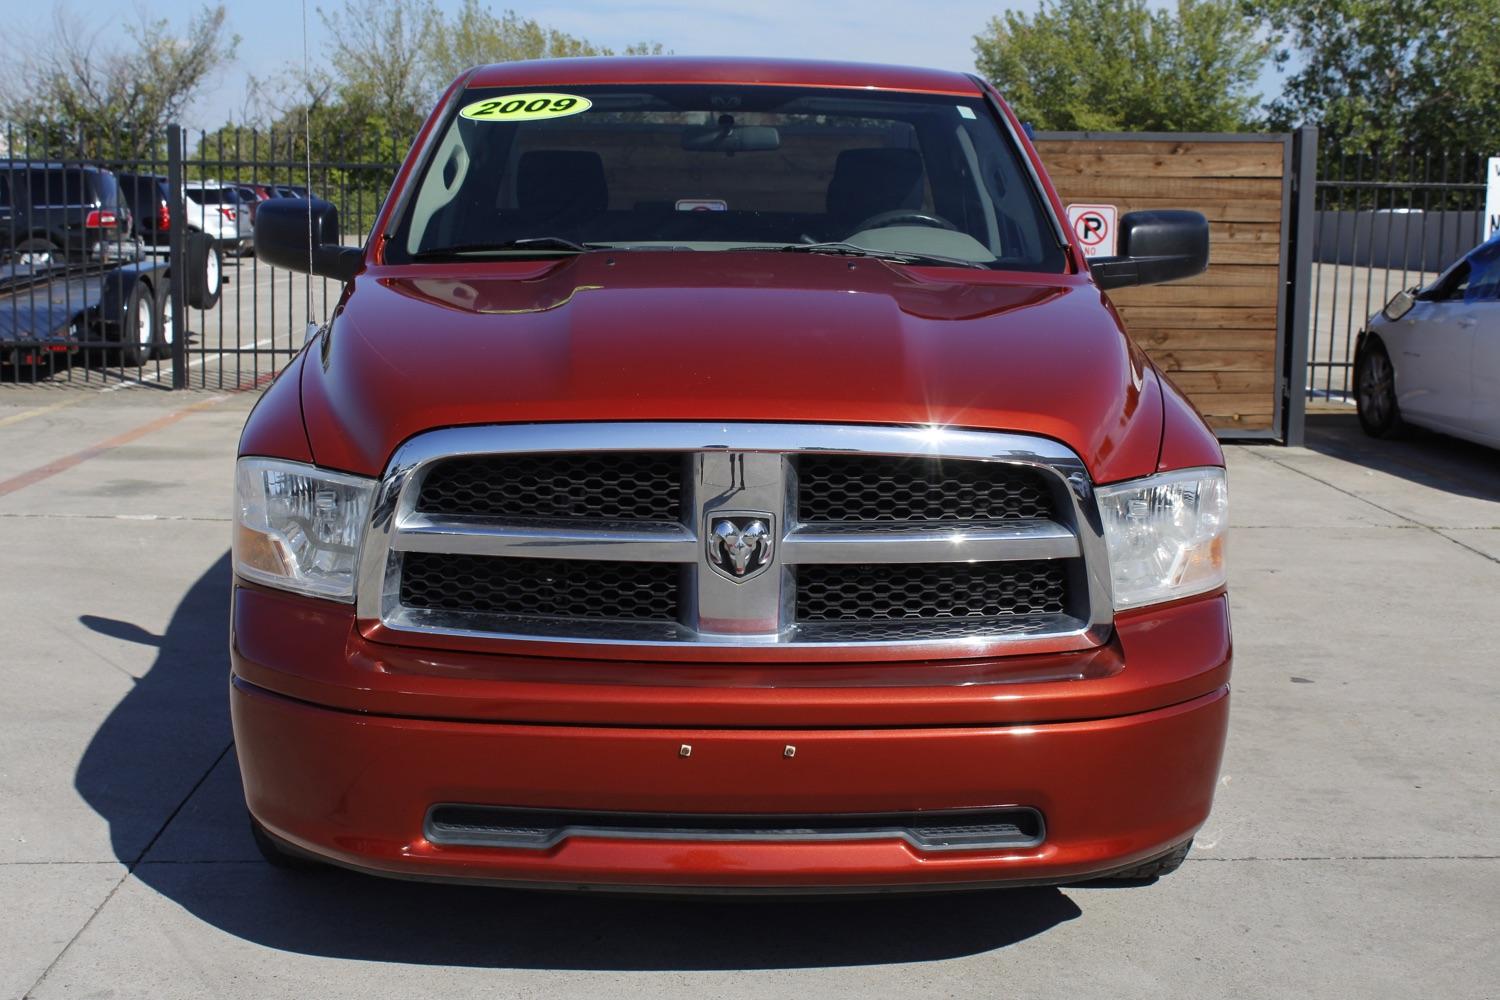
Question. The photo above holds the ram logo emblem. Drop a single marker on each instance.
(740, 546)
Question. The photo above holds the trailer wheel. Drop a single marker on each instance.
(138, 326)
(162, 344)
(205, 271)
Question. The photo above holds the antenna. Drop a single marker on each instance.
(307, 151)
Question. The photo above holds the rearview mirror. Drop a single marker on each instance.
(303, 234)
(731, 139)
(1155, 246)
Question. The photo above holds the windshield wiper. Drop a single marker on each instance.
(855, 250)
(556, 244)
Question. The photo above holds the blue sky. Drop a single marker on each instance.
(908, 31)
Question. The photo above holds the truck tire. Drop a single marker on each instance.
(205, 271)
(277, 856)
(138, 326)
(1148, 871)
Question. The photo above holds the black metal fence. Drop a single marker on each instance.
(1382, 224)
(90, 300)
(127, 261)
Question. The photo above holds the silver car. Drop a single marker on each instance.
(1431, 357)
(220, 211)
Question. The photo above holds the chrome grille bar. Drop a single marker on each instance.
(470, 536)
(927, 543)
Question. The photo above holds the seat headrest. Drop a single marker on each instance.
(557, 181)
(867, 182)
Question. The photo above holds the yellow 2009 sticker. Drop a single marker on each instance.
(525, 107)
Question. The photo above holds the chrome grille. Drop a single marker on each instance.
(885, 488)
(566, 589)
(620, 534)
(600, 487)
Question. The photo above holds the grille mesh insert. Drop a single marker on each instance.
(600, 487)
(930, 591)
(880, 488)
(540, 588)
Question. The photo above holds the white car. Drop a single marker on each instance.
(1431, 357)
(220, 211)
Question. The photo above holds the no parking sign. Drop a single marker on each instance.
(1095, 226)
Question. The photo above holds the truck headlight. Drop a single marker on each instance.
(298, 527)
(1165, 535)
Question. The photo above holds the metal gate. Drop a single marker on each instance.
(1382, 225)
(104, 243)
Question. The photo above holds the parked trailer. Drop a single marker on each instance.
(57, 310)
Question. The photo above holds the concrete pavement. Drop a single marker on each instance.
(1351, 853)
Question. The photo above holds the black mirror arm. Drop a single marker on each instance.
(1114, 272)
(341, 263)
(1121, 272)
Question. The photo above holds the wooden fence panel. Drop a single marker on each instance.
(1214, 335)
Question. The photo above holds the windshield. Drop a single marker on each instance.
(715, 168)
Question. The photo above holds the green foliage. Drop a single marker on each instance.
(377, 52)
(476, 35)
(1119, 65)
(71, 97)
(1380, 75)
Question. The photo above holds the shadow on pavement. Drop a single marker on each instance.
(177, 712)
(343, 915)
(1419, 456)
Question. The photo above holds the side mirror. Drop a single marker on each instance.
(1401, 303)
(1155, 246)
(282, 238)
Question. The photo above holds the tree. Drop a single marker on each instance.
(353, 117)
(377, 51)
(390, 58)
(114, 102)
(477, 35)
(1378, 75)
(1116, 65)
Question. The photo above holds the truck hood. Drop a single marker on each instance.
(738, 336)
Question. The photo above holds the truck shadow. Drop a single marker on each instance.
(193, 848)
(1418, 456)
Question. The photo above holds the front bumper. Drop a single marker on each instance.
(332, 766)
(355, 790)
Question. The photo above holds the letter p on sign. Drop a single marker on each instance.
(1095, 226)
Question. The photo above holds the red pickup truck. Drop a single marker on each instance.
(728, 475)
